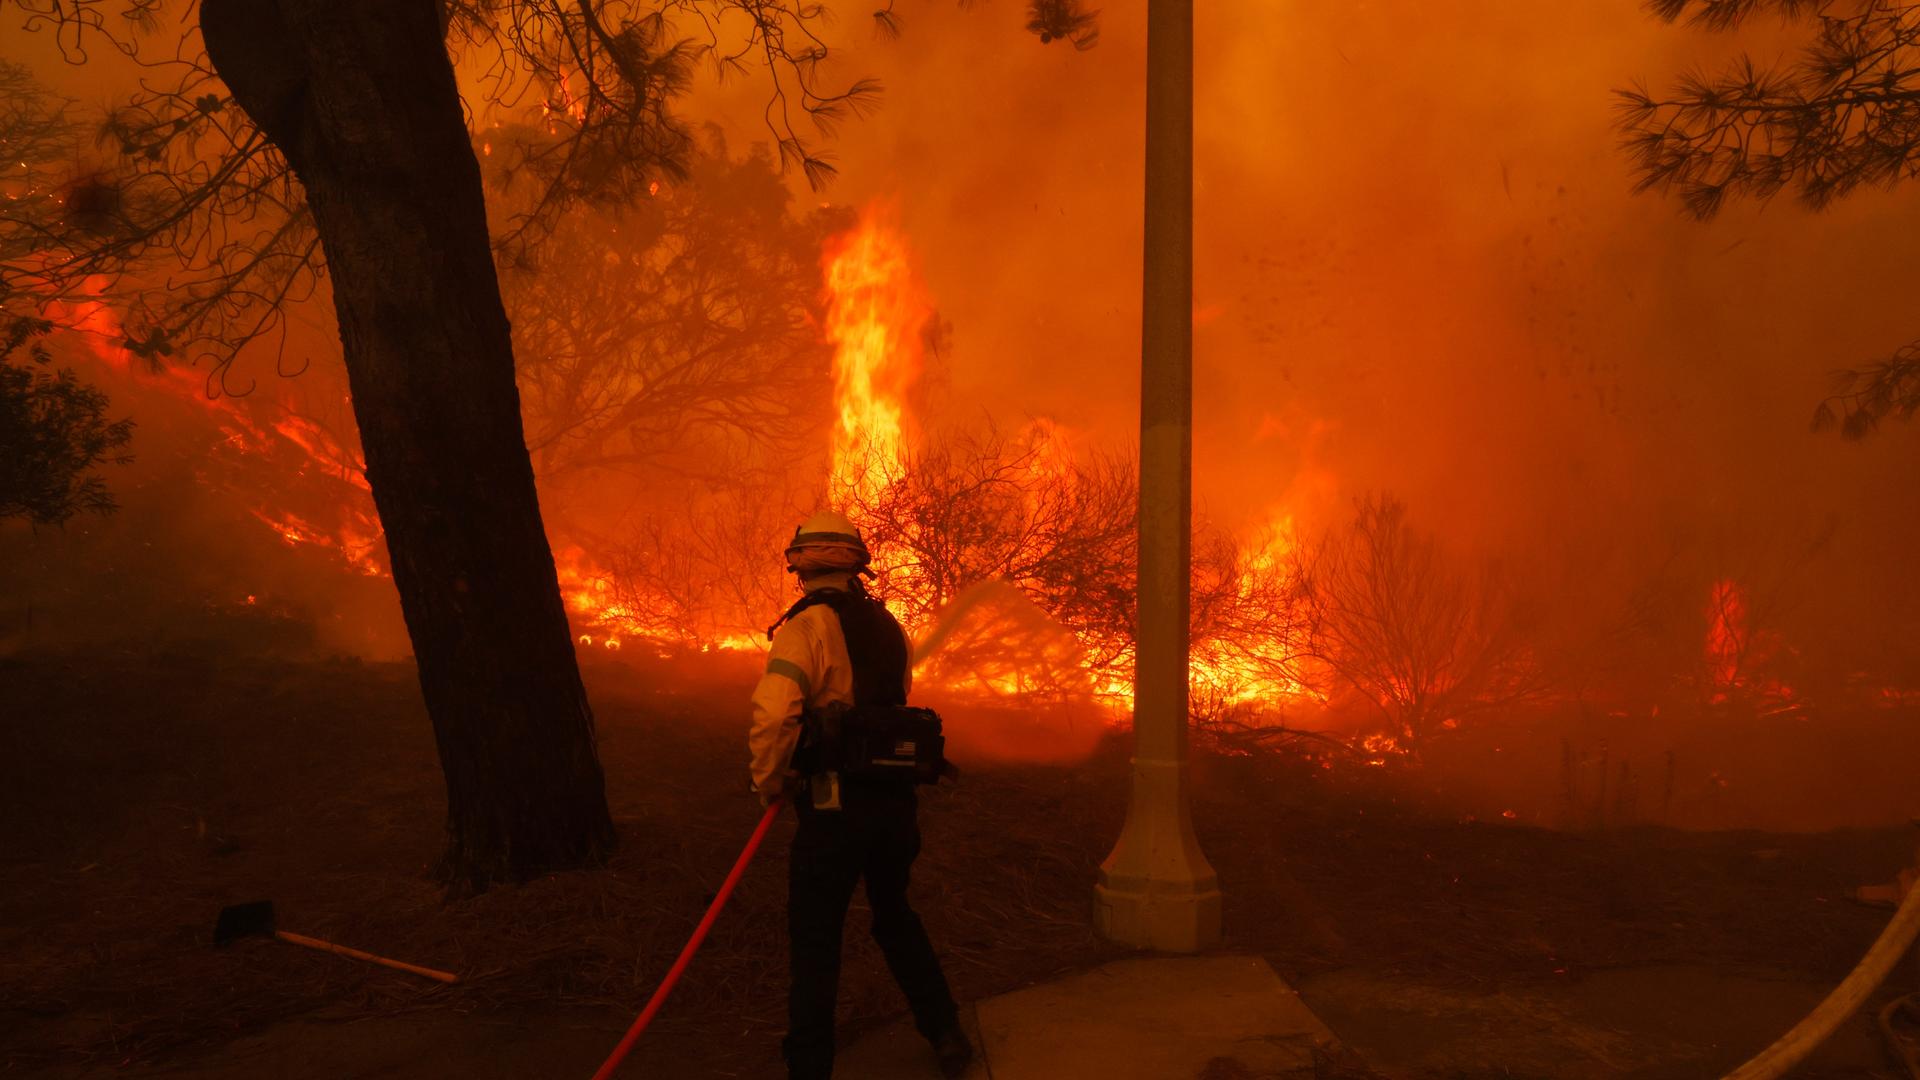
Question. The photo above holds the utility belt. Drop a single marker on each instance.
(896, 744)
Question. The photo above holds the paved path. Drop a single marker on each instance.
(1156, 1018)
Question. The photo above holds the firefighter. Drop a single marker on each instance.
(835, 647)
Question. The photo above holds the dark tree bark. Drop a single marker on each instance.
(360, 97)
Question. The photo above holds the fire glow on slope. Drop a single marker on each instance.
(296, 478)
(876, 318)
(287, 446)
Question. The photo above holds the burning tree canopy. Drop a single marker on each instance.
(701, 355)
(188, 217)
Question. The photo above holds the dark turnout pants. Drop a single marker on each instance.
(875, 836)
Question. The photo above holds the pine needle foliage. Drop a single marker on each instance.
(1842, 116)
(53, 432)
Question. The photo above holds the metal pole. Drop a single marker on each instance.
(1156, 889)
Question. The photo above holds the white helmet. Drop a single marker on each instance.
(827, 543)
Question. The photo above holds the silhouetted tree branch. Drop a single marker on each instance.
(1846, 115)
(678, 337)
(181, 220)
(969, 505)
(53, 432)
(1865, 396)
(1063, 20)
(189, 227)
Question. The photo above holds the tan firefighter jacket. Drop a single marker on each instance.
(807, 668)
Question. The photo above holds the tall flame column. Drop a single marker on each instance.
(1157, 890)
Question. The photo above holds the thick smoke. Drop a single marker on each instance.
(1421, 270)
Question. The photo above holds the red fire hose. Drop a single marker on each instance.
(679, 967)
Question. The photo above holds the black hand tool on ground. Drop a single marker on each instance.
(257, 919)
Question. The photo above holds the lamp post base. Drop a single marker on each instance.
(1181, 917)
(1157, 890)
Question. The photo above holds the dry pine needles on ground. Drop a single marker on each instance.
(144, 793)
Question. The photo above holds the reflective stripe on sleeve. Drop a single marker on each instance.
(791, 670)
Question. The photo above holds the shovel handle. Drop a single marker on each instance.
(398, 965)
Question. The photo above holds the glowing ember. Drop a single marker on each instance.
(1742, 661)
(1379, 748)
(1727, 639)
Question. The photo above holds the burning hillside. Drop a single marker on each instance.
(1365, 620)
(405, 409)
(1417, 515)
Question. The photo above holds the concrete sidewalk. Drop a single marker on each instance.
(1151, 1018)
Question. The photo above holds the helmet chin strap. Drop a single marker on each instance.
(852, 577)
(812, 562)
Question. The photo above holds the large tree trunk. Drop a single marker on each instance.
(360, 97)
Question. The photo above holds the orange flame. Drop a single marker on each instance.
(1251, 672)
(875, 319)
(1727, 638)
(1741, 661)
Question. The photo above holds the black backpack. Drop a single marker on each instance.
(879, 736)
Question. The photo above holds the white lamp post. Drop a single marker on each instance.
(1157, 890)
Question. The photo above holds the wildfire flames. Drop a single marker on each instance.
(875, 321)
(875, 318)
(1727, 639)
(1466, 472)
(1739, 657)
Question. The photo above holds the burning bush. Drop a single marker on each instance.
(1418, 636)
(1059, 526)
(710, 575)
(978, 505)
(1254, 623)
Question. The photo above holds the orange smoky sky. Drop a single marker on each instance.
(1420, 267)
